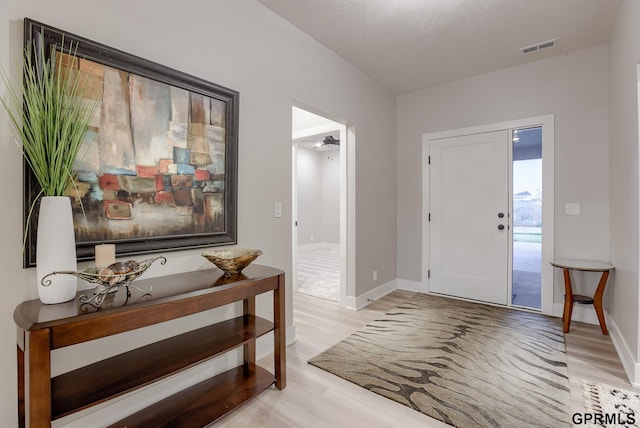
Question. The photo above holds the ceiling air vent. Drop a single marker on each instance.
(539, 46)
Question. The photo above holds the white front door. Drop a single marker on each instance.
(469, 218)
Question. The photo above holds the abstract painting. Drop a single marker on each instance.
(158, 167)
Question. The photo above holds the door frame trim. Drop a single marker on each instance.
(547, 122)
(347, 200)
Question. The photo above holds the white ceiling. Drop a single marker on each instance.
(309, 130)
(408, 45)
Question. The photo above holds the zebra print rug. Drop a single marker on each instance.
(466, 364)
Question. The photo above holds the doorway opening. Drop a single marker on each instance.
(319, 183)
(526, 200)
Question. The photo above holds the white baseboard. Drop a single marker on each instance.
(357, 303)
(408, 285)
(350, 303)
(631, 367)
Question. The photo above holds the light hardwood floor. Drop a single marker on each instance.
(315, 398)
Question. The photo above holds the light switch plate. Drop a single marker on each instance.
(572, 208)
(277, 209)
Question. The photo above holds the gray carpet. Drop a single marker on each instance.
(466, 364)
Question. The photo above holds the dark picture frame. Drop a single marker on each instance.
(160, 170)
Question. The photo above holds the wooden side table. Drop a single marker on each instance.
(568, 265)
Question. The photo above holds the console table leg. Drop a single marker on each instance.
(249, 308)
(279, 333)
(39, 392)
(21, 419)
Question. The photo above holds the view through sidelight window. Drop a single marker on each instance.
(527, 217)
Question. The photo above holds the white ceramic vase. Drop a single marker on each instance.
(56, 250)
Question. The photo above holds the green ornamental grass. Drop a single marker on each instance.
(50, 119)
(53, 117)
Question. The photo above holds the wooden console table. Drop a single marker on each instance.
(43, 328)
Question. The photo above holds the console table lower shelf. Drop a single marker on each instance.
(205, 402)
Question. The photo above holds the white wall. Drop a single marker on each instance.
(308, 173)
(624, 56)
(318, 190)
(330, 193)
(573, 87)
(241, 45)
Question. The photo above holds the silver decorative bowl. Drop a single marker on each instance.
(232, 260)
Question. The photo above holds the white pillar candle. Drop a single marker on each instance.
(105, 255)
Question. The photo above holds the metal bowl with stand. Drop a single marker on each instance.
(108, 282)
